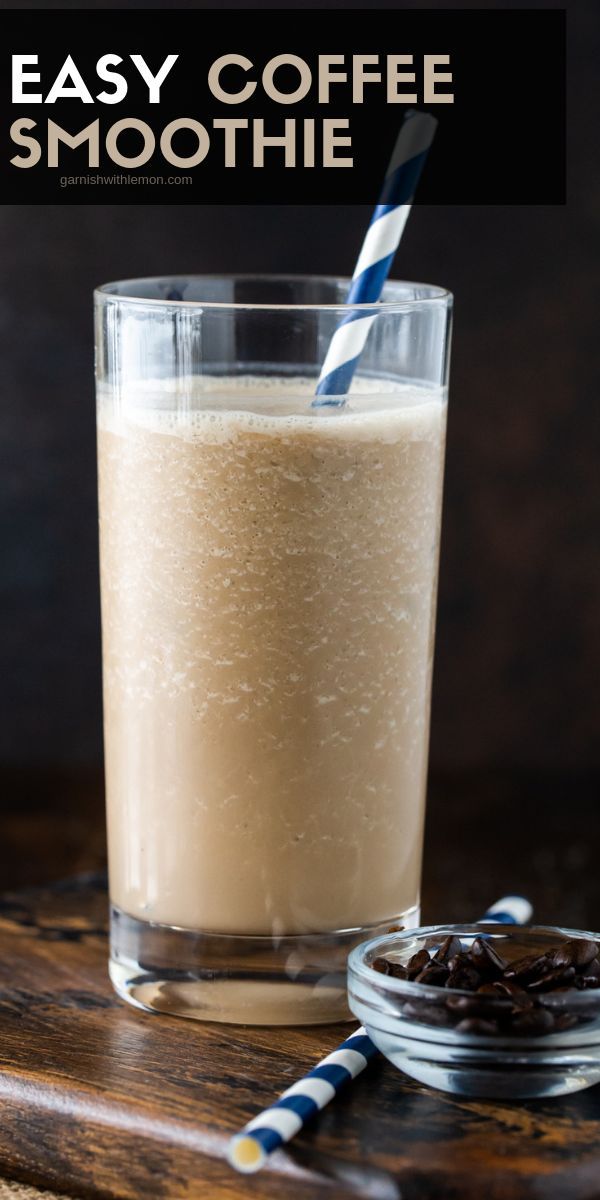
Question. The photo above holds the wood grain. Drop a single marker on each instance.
(104, 1101)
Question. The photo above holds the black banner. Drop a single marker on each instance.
(262, 106)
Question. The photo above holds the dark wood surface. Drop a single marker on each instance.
(99, 1100)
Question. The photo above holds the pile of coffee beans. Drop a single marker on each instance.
(506, 997)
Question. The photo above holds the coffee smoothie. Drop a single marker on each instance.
(268, 594)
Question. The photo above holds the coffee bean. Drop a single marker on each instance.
(563, 1021)
(553, 979)
(459, 961)
(576, 952)
(398, 971)
(534, 1021)
(474, 1006)
(477, 1025)
(506, 989)
(417, 962)
(466, 979)
(426, 1014)
(449, 947)
(382, 965)
(485, 958)
(434, 973)
(466, 1005)
(524, 970)
(386, 966)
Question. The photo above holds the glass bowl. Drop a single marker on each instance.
(427, 1031)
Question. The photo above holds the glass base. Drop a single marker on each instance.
(299, 980)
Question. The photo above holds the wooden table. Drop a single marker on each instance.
(99, 1100)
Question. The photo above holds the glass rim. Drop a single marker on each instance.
(434, 296)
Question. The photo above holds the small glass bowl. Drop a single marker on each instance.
(413, 1025)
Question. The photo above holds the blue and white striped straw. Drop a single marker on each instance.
(377, 253)
(248, 1150)
(510, 910)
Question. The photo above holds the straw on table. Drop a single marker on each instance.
(248, 1150)
(377, 254)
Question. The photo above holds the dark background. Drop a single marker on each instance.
(517, 667)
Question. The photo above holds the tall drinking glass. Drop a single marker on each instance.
(268, 570)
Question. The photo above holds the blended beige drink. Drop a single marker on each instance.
(268, 592)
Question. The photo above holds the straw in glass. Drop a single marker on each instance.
(249, 1150)
(377, 254)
